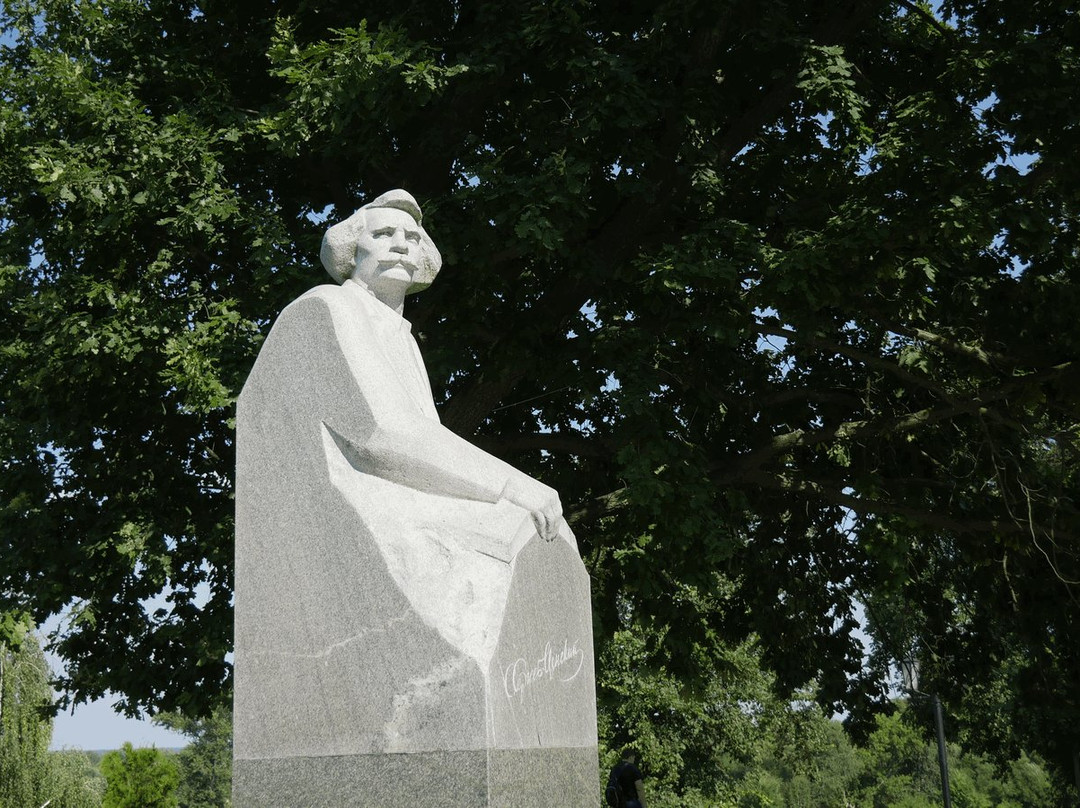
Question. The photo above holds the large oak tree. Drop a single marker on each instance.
(782, 296)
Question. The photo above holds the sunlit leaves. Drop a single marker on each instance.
(373, 75)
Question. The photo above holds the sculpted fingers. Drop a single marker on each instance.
(552, 517)
(540, 523)
(541, 501)
(556, 519)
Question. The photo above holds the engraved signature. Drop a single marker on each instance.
(552, 664)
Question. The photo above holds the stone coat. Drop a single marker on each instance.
(385, 488)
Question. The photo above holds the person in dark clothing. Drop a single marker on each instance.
(629, 776)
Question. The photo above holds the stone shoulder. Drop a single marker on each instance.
(324, 303)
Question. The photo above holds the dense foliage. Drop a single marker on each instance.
(206, 762)
(76, 780)
(139, 778)
(24, 729)
(735, 744)
(31, 775)
(809, 762)
(779, 295)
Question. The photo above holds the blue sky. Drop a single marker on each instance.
(98, 726)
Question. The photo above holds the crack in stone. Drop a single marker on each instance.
(337, 646)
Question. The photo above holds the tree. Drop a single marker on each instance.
(30, 774)
(1027, 783)
(206, 763)
(900, 767)
(820, 764)
(899, 763)
(691, 742)
(74, 780)
(139, 778)
(731, 743)
(779, 295)
(25, 727)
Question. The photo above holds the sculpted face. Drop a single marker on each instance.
(387, 252)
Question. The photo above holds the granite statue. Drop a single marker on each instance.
(409, 608)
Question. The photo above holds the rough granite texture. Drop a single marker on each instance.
(395, 646)
(518, 778)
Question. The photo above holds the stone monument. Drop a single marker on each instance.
(413, 625)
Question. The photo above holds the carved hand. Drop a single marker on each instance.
(541, 501)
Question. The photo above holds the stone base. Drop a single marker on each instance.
(494, 778)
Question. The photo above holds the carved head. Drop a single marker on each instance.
(353, 244)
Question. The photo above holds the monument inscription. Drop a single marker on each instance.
(410, 610)
(521, 674)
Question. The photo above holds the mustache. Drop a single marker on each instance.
(405, 262)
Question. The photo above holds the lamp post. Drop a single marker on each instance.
(909, 671)
(943, 755)
(1076, 768)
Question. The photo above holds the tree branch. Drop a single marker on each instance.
(868, 359)
(932, 519)
(973, 352)
(927, 16)
(561, 443)
(874, 428)
(800, 438)
(599, 506)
